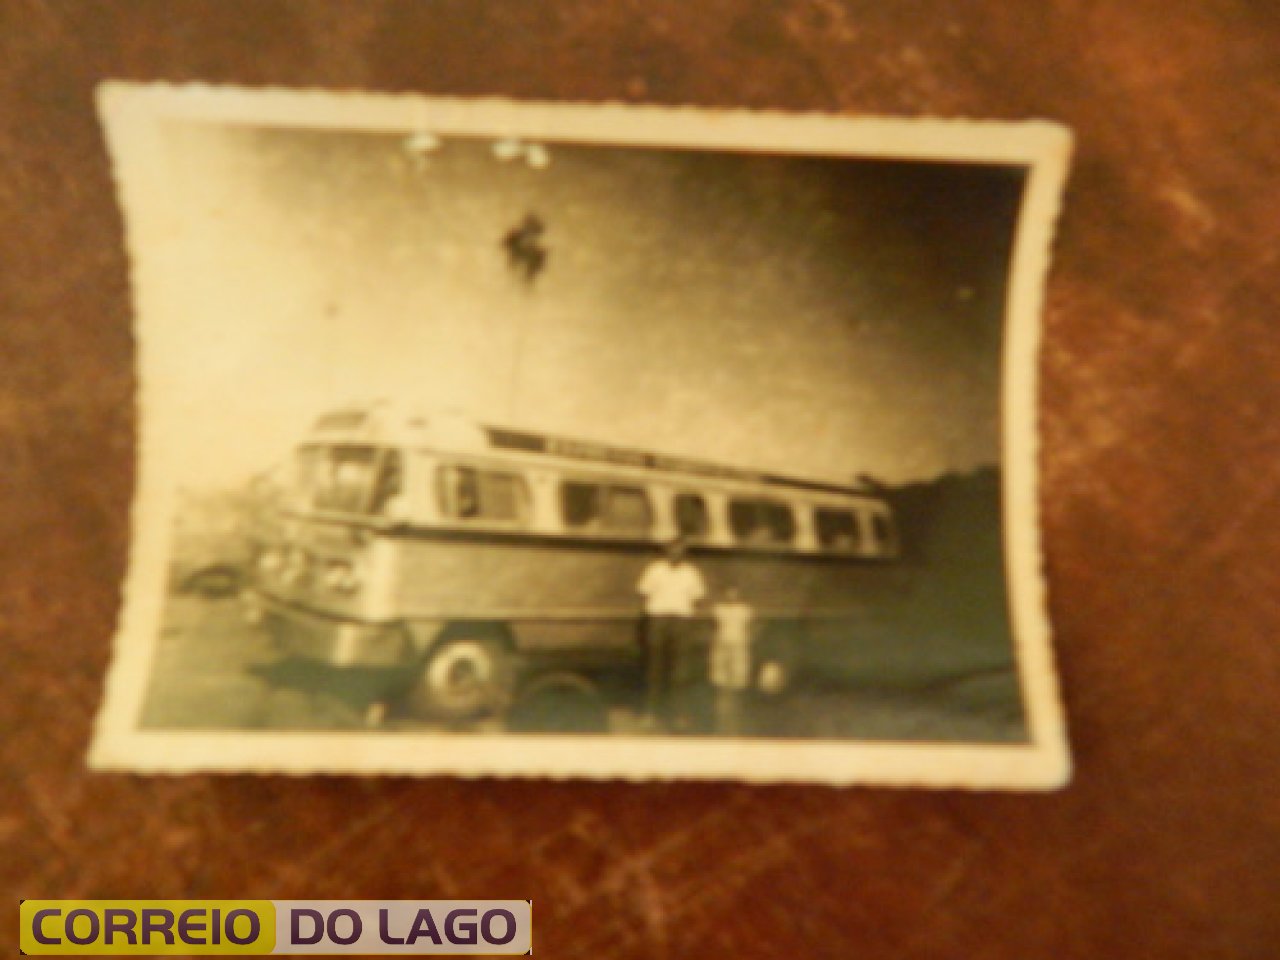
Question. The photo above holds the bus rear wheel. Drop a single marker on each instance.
(462, 678)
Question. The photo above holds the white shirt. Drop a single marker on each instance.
(670, 590)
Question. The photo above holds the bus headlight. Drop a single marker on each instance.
(341, 577)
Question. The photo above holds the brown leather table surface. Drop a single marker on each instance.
(1161, 475)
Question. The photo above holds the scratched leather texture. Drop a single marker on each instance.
(1160, 411)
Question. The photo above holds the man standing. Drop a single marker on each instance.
(671, 588)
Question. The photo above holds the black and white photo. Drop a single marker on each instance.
(480, 437)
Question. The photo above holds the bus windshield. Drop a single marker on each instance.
(348, 479)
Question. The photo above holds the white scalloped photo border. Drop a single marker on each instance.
(131, 115)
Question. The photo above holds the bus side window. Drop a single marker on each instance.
(580, 504)
(459, 492)
(761, 522)
(501, 495)
(468, 493)
(780, 521)
(742, 519)
(837, 529)
(691, 515)
(627, 510)
(594, 506)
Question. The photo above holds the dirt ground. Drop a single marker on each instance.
(214, 671)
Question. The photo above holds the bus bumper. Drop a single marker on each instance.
(332, 640)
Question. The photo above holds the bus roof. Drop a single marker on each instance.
(376, 426)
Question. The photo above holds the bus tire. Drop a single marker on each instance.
(559, 702)
(463, 677)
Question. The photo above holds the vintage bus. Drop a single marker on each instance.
(452, 552)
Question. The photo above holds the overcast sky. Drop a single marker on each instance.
(819, 317)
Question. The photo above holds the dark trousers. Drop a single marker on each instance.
(665, 638)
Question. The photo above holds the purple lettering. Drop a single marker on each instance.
(191, 926)
(295, 926)
(36, 926)
(94, 927)
(486, 926)
(383, 932)
(451, 927)
(121, 922)
(255, 926)
(154, 921)
(424, 925)
(357, 927)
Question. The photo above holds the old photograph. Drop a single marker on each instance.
(479, 437)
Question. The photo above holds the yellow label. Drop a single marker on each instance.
(147, 928)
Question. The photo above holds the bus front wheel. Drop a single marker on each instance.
(462, 678)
